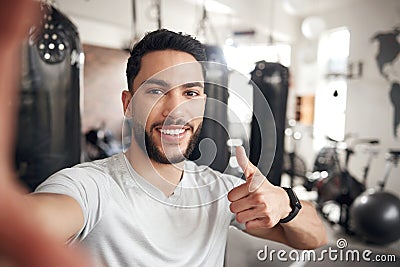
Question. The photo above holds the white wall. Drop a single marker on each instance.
(109, 23)
(369, 110)
(100, 22)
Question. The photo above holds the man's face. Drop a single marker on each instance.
(168, 105)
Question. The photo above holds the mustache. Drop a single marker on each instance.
(170, 121)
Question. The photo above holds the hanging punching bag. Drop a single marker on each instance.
(49, 124)
(212, 149)
(271, 83)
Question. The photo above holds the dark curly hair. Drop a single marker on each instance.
(161, 40)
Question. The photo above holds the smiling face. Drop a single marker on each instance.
(167, 105)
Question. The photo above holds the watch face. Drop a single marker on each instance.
(295, 201)
(294, 204)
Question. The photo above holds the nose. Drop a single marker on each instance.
(173, 105)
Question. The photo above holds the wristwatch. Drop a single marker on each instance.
(294, 204)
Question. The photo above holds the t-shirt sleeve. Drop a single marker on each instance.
(88, 186)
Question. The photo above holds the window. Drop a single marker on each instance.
(242, 60)
(331, 93)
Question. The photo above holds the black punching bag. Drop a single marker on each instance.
(212, 149)
(49, 123)
(271, 83)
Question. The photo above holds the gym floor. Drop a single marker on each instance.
(242, 250)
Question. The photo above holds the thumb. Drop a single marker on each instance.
(252, 174)
(244, 163)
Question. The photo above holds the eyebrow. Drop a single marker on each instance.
(166, 84)
(193, 84)
(157, 82)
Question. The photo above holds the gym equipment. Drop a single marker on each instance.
(270, 83)
(215, 115)
(339, 183)
(340, 189)
(326, 160)
(49, 125)
(375, 214)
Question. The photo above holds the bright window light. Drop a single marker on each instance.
(331, 94)
(242, 58)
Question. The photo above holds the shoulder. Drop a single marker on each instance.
(102, 166)
(96, 165)
(85, 174)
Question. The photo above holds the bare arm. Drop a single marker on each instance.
(305, 231)
(27, 238)
(60, 215)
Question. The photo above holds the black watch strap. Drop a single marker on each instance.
(294, 204)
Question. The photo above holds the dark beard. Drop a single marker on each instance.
(149, 147)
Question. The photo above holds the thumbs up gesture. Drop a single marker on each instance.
(257, 203)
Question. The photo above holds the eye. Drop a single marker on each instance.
(192, 93)
(155, 91)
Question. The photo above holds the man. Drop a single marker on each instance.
(150, 206)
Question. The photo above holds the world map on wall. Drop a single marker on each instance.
(388, 62)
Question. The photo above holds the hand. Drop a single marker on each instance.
(13, 31)
(257, 203)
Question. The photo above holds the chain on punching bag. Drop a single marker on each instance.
(272, 80)
(49, 117)
(214, 133)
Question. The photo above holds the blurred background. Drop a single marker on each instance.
(329, 69)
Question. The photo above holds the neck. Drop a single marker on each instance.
(163, 176)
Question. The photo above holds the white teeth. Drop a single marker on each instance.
(172, 132)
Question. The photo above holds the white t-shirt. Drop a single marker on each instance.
(129, 222)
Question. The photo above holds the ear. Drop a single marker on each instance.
(126, 97)
(205, 102)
